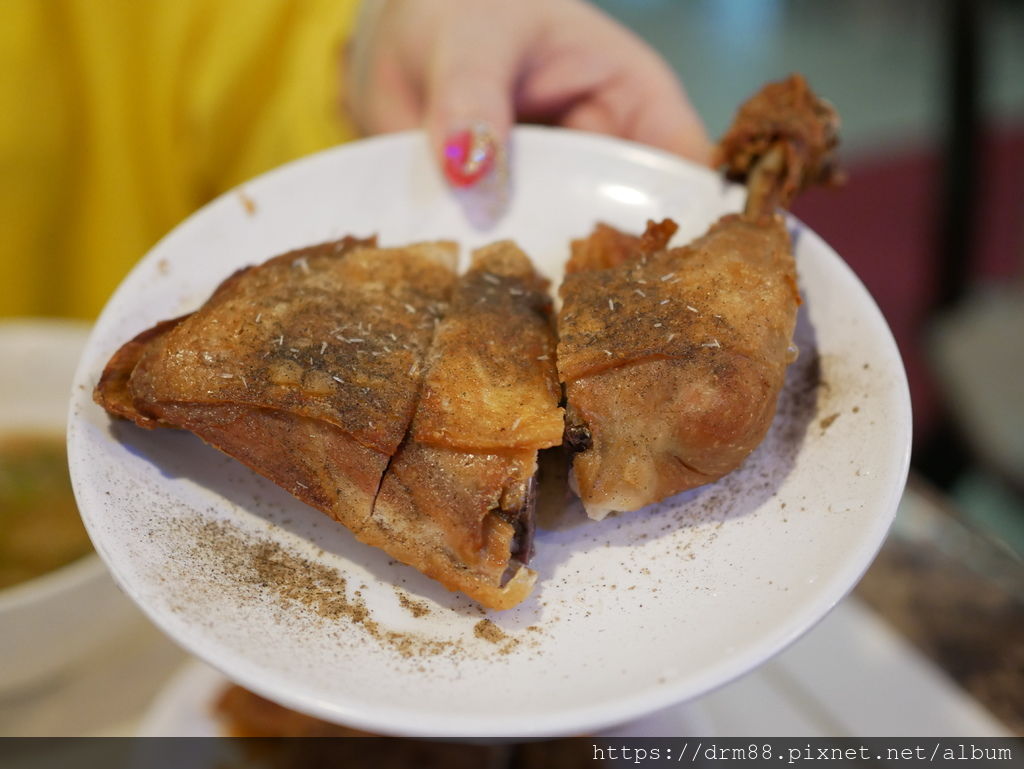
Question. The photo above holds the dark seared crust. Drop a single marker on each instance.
(577, 436)
(335, 332)
(519, 508)
(734, 288)
(786, 114)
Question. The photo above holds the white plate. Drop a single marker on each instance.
(631, 614)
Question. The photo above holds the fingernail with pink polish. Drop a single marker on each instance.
(469, 155)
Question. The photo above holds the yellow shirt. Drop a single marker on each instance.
(118, 118)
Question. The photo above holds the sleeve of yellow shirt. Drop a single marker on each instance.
(119, 118)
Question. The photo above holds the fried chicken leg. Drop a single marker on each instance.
(673, 358)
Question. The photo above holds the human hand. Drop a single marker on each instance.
(466, 70)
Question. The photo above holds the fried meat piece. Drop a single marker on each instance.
(306, 368)
(672, 362)
(329, 371)
(673, 358)
(785, 119)
(459, 494)
(607, 246)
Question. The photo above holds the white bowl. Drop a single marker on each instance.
(50, 622)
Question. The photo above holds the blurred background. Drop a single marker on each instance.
(931, 93)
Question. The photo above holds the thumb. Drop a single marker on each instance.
(469, 111)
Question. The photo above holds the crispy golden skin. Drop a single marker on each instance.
(458, 496)
(492, 383)
(306, 368)
(672, 362)
(335, 337)
(113, 391)
(719, 292)
(673, 358)
(310, 368)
